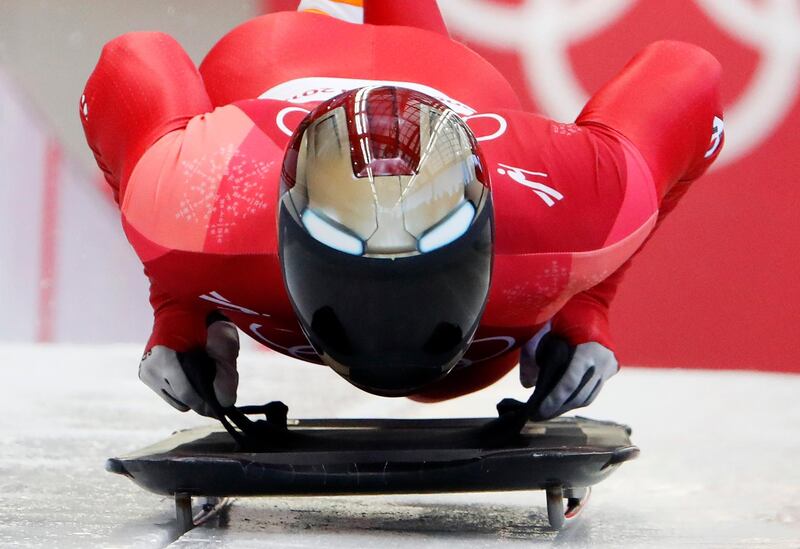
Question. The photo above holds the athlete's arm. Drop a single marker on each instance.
(666, 102)
(584, 318)
(146, 88)
(422, 14)
(178, 325)
(143, 87)
(583, 323)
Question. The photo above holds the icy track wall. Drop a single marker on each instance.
(719, 285)
(66, 272)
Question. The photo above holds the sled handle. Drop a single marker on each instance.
(553, 355)
(200, 369)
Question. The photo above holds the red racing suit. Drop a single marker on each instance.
(194, 158)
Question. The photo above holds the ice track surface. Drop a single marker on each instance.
(719, 464)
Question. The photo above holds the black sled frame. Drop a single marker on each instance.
(276, 456)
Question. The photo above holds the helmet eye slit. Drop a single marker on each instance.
(449, 229)
(331, 234)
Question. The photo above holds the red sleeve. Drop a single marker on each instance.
(666, 102)
(179, 326)
(422, 14)
(584, 318)
(143, 87)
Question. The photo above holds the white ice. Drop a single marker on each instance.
(720, 463)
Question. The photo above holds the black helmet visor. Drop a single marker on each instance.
(389, 326)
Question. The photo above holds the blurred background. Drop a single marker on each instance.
(718, 286)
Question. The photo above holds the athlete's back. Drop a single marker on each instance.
(298, 57)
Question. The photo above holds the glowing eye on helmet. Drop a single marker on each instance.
(453, 227)
(326, 232)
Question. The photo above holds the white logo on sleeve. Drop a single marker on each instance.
(716, 136)
(548, 194)
(84, 107)
(302, 352)
(224, 303)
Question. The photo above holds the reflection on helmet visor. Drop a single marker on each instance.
(330, 235)
(451, 228)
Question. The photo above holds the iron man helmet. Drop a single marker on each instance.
(386, 236)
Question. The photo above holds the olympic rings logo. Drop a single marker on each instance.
(542, 31)
(502, 124)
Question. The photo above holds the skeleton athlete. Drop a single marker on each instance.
(371, 196)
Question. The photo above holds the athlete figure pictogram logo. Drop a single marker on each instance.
(548, 194)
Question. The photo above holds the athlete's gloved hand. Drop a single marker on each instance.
(590, 367)
(160, 369)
